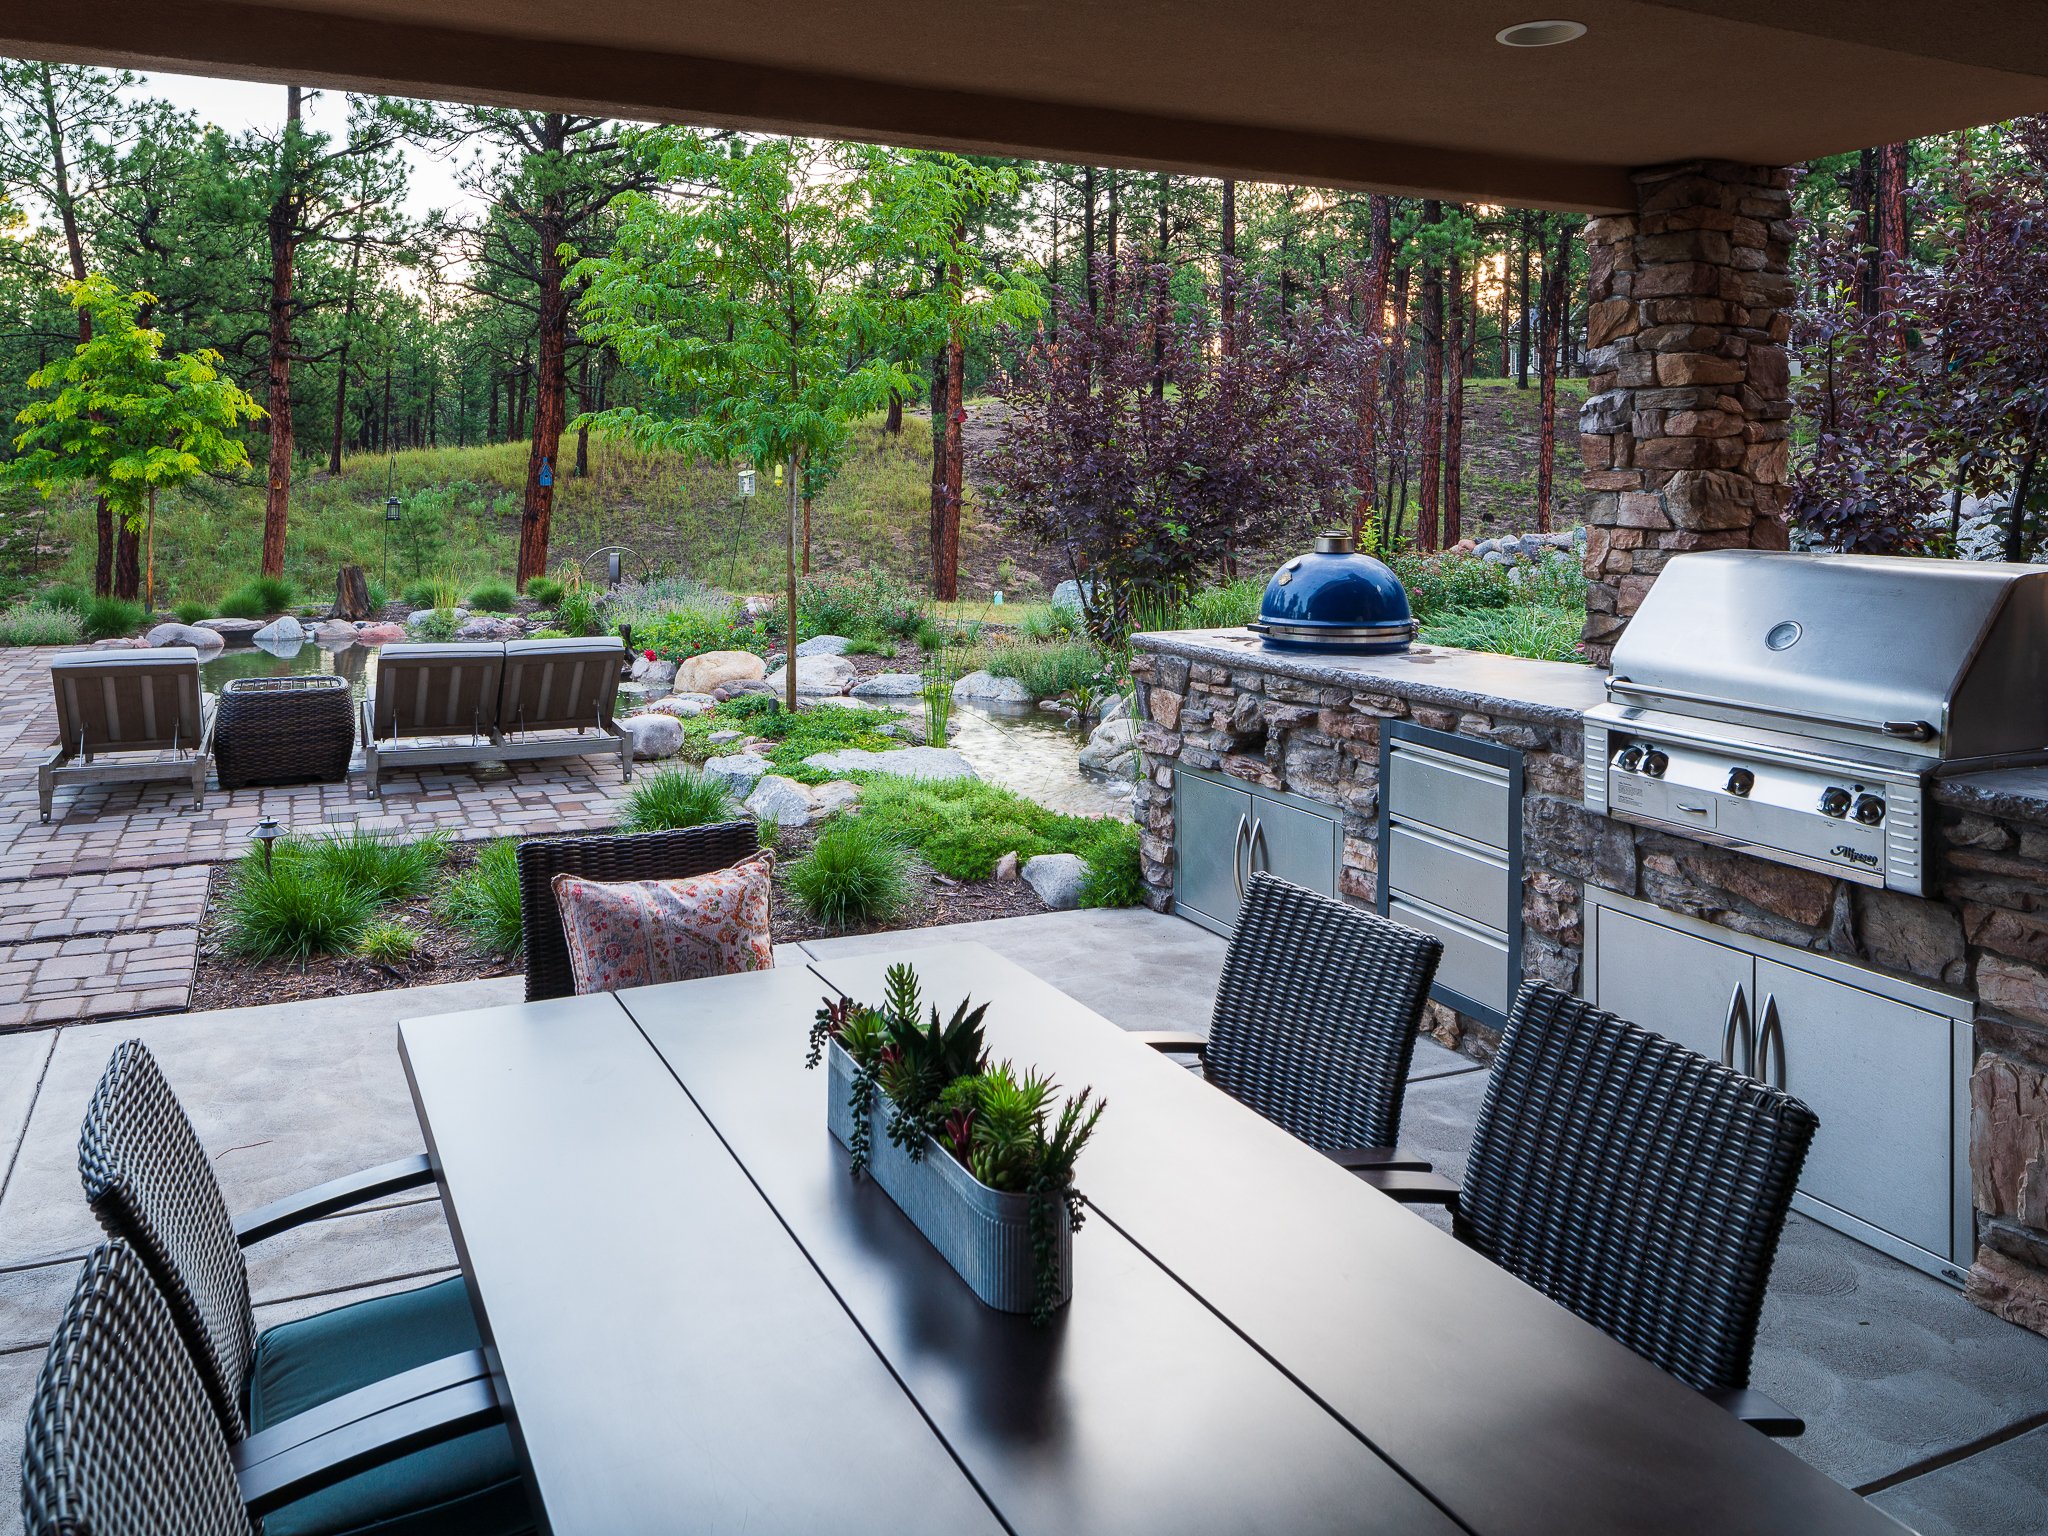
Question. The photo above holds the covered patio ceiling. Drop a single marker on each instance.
(1409, 96)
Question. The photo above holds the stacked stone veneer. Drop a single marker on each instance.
(1685, 427)
(1985, 930)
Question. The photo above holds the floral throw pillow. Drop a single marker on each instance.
(639, 932)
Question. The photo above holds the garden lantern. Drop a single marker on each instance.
(748, 481)
(266, 832)
(390, 517)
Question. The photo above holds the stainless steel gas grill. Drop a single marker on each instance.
(1795, 706)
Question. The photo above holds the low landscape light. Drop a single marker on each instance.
(267, 831)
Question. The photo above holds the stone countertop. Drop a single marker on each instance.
(2014, 794)
(1554, 692)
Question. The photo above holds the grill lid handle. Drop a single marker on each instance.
(1909, 730)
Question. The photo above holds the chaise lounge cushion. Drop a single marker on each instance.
(468, 1486)
(640, 932)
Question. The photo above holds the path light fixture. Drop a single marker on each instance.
(267, 831)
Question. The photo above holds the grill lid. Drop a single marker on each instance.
(1943, 658)
(1334, 598)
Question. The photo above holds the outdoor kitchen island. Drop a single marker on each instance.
(1916, 1026)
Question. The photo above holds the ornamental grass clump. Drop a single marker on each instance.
(40, 623)
(293, 909)
(1003, 1126)
(854, 874)
(483, 900)
(386, 868)
(676, 797)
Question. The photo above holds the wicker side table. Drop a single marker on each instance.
(284, 730)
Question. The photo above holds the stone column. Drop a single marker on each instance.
(1686, 420)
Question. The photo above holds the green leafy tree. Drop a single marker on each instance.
(125, 419)
(740, 304)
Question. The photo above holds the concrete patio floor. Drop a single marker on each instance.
(1937, 1408)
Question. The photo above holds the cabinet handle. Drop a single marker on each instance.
(1254, 847)
(1237, 853)
(1770, 1045)
(1738, 1022)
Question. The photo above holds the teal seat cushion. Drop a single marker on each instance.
(468, 1486)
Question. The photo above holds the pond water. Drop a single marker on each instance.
(357, 663)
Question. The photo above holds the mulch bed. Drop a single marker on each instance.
(446, 954)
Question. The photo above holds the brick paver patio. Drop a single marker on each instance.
(100, 909)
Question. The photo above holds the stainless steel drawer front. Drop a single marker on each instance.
(1459, 877)
(1453, 794)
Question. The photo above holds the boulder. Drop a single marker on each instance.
(889, 685)
(903, 762)
(782, 801)
(1057, 878)
(284, 631)
(334, 632)
(1118, 708)
(654, 672)
(817, 676)
(419, 618)
(686, 706)
(185, 634)
(836, 796)
(231, 629)
(724, 738)
(653, 735)
(1006, 867)
(738, 771)
(486, 627)
(120, 643)
(1069, 594)
(701, 674)
(987, 688)
(824, 645)
(380, 634)
(1112, 747)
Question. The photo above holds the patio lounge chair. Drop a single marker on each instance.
(152, 1186)
(428, 694)
(551, 686)
(126, 717)
(1639, 1184)
(673, 855)
(120, 1439)
(1315, 1024)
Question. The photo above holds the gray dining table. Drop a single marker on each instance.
(697, 1320)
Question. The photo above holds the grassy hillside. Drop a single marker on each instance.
(460, 515)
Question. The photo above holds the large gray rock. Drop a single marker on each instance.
(419, 618)
(654, 735)
(284, 631)
(835, 796)
(231, 629)
(656, 674)
(890, 685)
(815, 675)
(987, 688)
(1112, 747)
(334, 633)
(711, 669)
(1069, 594)
(722, 738)
(185, 634)
(739, 771)
(1057, 878)
(686, 706)
(782, 801)
(486, 627)
(824, 645)
(903, 762)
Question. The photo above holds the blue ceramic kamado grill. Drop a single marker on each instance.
(1335, 599)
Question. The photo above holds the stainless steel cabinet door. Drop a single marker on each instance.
(1295, 844)
(1684, 987)
(1212, 823)
(1878, 1074)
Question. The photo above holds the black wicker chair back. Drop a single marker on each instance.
(120, 1439)
(1635, 1182)
(150, 1183)
(1316, 1014)
(636, 856)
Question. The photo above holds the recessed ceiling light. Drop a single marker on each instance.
(1540, 34)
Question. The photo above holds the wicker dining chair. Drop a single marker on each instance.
(151, 1184)
(121, 1439)
(673, 855)
(1639, 1184)
(1314, 1026)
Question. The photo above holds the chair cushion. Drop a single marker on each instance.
(640, 932)
(469, 1485)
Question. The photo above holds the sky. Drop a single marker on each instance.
(236, 105)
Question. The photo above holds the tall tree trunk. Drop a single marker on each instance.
(552, 385)
(1227, 277)
(348, 315)
(1863, 201)
(893, 422)
(103, 548)
(1528, 239)
(1427, 507)
(1372, 304)
(946, 493)
(1109, 235)
(128, 562)
(1087, 236)
(1454, 404)
(1162, 312)
(1893, 233)
(941, 409)
(1397, 386)
(491, 424)
(283, 227)
(1556, 264)
(796, 475)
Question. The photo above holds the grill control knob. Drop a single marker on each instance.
(1629, 759)
(1654, 763)
(1869, 810)
(1740, 781)
(1834, 802)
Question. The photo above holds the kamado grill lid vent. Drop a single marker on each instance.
(1335, 599)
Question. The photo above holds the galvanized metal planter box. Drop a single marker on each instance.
(983, 1233)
